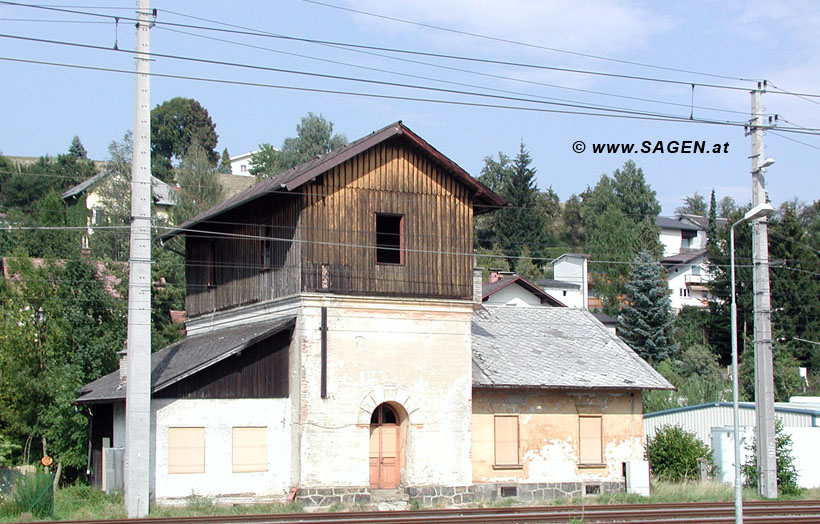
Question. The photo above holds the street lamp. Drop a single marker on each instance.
(759, 211)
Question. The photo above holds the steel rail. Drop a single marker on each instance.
(754, 511)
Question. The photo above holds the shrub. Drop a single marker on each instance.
(32, 493)
(673, 454)
(786, 470)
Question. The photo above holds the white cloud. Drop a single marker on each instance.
(599, 26)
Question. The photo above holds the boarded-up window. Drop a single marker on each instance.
(506, 440)
(590, 441)
(186, 450)
(250, 449)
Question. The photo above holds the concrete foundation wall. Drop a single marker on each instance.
(548, 434)
(219, 417)
(414, 354)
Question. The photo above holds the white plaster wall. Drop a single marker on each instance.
(238, 161)
(671, 240)
(677, 281)
(513, 295)
(413, 352)
(572, 298)
(218, 417)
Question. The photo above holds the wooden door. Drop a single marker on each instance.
(384, 449)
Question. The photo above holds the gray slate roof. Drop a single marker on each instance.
(682, 258)
(184, 358)
(674, 223)
(556, 348)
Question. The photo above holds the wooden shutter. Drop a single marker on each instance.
(506, 440)
(590, 444)
(186, 450)
(250, 449)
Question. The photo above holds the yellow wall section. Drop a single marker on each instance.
(548, 430)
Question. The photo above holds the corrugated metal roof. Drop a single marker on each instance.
(560, 348)
(303, 173)
(184, 358)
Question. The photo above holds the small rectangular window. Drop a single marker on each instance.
(590, 440)
(265, 247)
(250, 449)
(186, 450)
(389, 239)
(506, 440)
(696, 270)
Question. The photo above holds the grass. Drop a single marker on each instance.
(85, 503)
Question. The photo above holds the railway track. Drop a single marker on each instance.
(757, 512)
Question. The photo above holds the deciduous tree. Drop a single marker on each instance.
(175, 125)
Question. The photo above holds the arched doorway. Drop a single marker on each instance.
(385, 447)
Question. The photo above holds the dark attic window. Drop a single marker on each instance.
(389, 239)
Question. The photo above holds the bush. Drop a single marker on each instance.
(786, 470)
(32, 493)
(673, 454)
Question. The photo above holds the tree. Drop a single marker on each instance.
(574, 234)
(76, 148)
(786, 470)
(60, 330)
(647, 324)
(314, 137)
(224, 162)
(115, 203)
(175, 125)
(199, 186)
(520, 224)
(712, 229)
(693, 205)
(49, 219)
(618, 217)
(726, 206)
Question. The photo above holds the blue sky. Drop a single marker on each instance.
(43, 107)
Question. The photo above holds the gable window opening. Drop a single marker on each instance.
(389, 239)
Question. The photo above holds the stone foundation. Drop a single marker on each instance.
(453, 495)
(456, 495)
(323, 497)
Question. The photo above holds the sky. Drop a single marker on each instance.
(705, 43)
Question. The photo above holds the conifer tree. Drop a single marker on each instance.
(76, 148)
(224, 162)
(647, 321)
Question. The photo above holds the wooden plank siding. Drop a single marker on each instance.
(238, 273)
(259, 371)
(330, 229)
(338, 226)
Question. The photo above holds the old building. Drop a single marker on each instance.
(332, 343)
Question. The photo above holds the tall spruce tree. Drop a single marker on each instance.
(76, 148)
(711, 229)
(647, 323)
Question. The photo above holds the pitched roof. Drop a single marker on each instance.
(682, 258)
(548, 282)
(162, 193)
(304, 173)
(184, 358)
(675, 223)
(555, 348)
(703, 222)
(488, 289)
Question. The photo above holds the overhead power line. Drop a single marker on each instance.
(525, 44)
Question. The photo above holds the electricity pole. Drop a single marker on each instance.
(138, 380)
(764, 374)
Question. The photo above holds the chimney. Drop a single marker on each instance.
(478, 293)
(123, 365)
(495, 275)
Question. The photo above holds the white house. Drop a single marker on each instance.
(687, 277)
(570, 283)
(241, 164)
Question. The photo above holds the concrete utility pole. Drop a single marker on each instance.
(138, 381)
(764, 374)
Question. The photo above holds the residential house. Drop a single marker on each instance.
(334, 347)
(570, 283)
(514, 290)
(241, 164)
